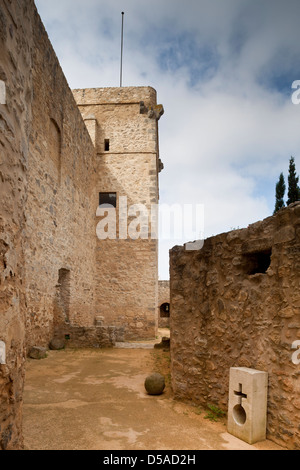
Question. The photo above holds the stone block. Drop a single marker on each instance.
(37, 352)
(164, 344)
(247, 408)
(57, 343)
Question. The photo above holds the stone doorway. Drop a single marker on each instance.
(164, 315)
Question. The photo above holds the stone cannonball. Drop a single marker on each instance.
(155, 384)
(57, 343)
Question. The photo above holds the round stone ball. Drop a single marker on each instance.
(155, 384)
(57, 343)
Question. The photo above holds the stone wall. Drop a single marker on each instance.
(236, 303)
(47, 238)
(61, 203)
(15, 117)
(56, 278)
(123, 124)
(164, 304)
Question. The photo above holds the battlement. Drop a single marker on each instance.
(115, 95)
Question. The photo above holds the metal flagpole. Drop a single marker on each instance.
(121, 67)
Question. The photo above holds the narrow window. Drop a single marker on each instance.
(108, 199)
(106, 145)
(3, 251)
(55, 146)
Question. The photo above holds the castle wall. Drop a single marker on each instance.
(47, 242)
(127, 269)
(236, 303)
(60, 241)
(56, 277)
(15, 116)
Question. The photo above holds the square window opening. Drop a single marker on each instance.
(108, 199)
(257, 263)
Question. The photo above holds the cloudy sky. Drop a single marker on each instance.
(223, 70)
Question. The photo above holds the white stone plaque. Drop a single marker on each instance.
(247, 410)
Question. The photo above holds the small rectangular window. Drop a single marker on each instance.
(108, 199)
(257, 262)
(106, 145)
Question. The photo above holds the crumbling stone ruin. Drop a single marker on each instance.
(236, 303)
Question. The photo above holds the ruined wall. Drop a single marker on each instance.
(15, 117)
(61, 202)
(123, 125)
(236, 303)
(163, 304)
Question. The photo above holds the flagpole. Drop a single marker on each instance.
(122, 33)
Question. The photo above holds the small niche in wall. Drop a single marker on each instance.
(106, 145)
(257, 262)
(55, 145)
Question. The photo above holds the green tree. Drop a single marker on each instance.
(280, 191)
(293, 179)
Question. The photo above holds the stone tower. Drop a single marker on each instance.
(123, 124)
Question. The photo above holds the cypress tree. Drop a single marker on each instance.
(293, 189)
(280, 191)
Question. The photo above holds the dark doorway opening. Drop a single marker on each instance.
(165, 310)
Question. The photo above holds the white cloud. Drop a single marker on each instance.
(222, 70)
